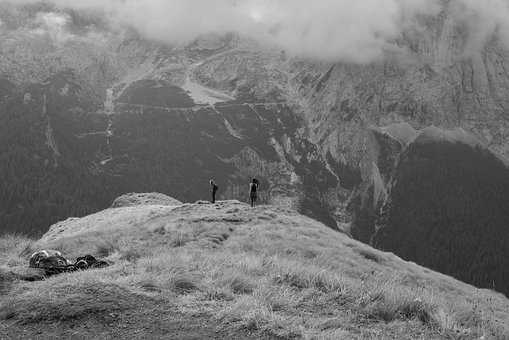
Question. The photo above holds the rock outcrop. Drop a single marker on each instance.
(386, 144)
(154, 198)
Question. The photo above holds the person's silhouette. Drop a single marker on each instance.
(213, 188)
(253, 191)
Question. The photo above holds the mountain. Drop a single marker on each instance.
(226, 270)
(439, 199)
(85, 120)
(90, 110)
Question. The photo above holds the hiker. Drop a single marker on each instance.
(253, 191)
(214, 188)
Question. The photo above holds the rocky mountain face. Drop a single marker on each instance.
(441, 80)
(88, 114)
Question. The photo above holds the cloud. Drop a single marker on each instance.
(349, 30)
(337, 30)
(483, 20)
(53, 24)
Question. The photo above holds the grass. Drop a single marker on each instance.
(69, 302)
(278, 274)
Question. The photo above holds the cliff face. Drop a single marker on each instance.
(385, 146)
(444, 78)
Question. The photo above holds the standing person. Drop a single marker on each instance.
(253, 191)
(213, 188)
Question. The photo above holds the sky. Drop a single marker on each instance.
(341, 30)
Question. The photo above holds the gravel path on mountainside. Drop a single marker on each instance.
(150, 321)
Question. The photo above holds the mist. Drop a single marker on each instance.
(358, 31)
(483, 19)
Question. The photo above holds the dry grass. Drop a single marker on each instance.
(68, 302)
(14, 249)
(275, 274)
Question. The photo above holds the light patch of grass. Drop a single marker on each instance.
(294, 274)
(388, 302)
(105, 248)
(180, 239)
(467, 319)
(183, 282)
(65, 299)
(130, 254)
(237, 283)
(278, 299)
(250, 314)
(168, 273)
(6, 280)
(370, 255)
(13, 249)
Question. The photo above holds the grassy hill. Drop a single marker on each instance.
(192, 271)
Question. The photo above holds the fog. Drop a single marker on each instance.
(340, 30)
(348, 30)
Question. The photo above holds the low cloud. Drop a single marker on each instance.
(483, 19)
(337, 30)
(53, 24)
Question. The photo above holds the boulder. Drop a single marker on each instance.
(134, 199)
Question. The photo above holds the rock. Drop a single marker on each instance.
(203, 202)
(133, 199)
(385, 146)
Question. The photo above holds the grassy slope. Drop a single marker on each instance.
(225, 270)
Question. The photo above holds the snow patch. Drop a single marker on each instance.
(201, 94)
(204, 95)
(109, 106)
(231, 130)
(51, 143)
(27, 98)
(64, 91)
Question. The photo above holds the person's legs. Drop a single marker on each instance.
(213, 197)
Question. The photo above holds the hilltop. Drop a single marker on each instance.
(199, 270)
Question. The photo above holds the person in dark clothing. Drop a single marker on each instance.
(213, 188)
(253, 191)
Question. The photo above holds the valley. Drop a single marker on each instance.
(110, 111)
